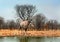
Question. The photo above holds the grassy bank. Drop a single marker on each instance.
(48, 33)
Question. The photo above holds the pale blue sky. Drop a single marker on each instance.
(50, 8)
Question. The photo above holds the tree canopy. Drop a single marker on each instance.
(25, 12)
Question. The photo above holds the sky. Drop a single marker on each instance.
(50, 8)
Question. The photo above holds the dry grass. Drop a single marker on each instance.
(49, 33)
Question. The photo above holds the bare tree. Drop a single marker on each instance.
(25, 12)
(39, 21)
(17, 24)
(52, 24)
(11, 24)
(58, 26)
(1, 22)
(55, 25)
(5, 26)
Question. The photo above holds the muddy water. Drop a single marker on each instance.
(29, 39)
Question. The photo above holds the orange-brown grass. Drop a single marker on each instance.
(35, 33)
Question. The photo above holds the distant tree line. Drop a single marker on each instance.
(8, 24)
(39, 22)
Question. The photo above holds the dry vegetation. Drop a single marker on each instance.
(35, 33)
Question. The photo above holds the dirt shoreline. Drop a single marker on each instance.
(48, 33)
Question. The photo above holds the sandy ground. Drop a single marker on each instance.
(35, 33)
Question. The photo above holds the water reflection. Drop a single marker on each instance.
(29, 39)
(9, 39)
